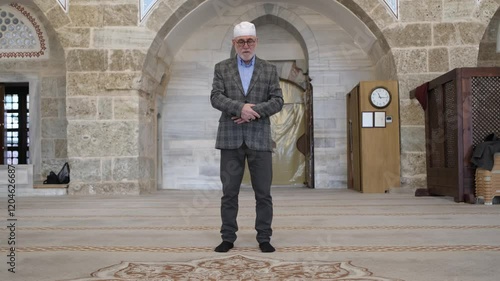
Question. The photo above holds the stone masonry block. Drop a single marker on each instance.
(126, 169)
(126, 108)
(458, 9)
(120, 15)
(439, 60)
(122, 60)
(48, 149)
(463, 57)
(54, 128)
(409, 35)
(74, 37)
(420, 11)
(81, 108)
(49, 107)
(61, 148)
(120, 81)
(83, 84)
(87, 60)
(453, 34)
(413, 163)
(85, 169)
(411, 113)
(86, 15)
(58, 18)
(107, 169)
(413, 138)
(105, 108)
(100, 139)
(123, 38)
(410, 60)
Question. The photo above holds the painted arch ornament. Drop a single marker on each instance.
(145, 6)
(393, 6)
(21, 34)
(63, 4)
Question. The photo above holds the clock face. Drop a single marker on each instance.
(380, 97)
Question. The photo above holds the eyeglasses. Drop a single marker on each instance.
(249, 42)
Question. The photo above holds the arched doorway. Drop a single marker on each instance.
(180, 130)
(335, 63)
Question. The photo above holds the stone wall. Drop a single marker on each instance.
(116, 67)
(46, 77)
(430, 39)
(190, 123)
(105, 51)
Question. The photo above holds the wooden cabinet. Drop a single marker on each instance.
(373, 140)
(462, 109)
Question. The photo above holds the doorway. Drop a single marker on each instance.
(14, 131)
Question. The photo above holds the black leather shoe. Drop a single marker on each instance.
(224, 247)
(266, 247)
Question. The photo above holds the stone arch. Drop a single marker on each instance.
(486, 11)
(157, 69)
(270, 13)
(201, 68)
(376, 17)
(285, 24)
(155, 79)
(490, 43)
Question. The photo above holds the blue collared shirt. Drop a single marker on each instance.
(246, 71)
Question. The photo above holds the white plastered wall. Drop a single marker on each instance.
(189, 123)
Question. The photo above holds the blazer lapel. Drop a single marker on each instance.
(236, 74)
(255, 74)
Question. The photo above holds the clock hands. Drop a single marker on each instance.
(380, 97)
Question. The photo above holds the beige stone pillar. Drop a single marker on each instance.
(105, 51)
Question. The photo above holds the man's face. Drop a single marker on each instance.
(245, 46)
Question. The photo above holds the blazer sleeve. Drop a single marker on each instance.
(275, 95)
(219, 97)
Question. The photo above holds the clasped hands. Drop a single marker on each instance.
(247, 114)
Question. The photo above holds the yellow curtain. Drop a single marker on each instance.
(287, 126)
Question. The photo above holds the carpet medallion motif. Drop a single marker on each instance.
(237, 267)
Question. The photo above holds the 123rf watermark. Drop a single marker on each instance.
(11, 218)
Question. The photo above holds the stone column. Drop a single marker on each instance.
(105, 52)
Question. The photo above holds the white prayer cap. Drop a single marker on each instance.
(244, 28)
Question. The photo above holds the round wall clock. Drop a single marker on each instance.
(380, 97)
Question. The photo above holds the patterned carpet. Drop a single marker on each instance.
(234, 268)
(318, 234)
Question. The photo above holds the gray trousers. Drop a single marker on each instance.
(231, 173)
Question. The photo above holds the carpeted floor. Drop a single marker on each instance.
(318, 234)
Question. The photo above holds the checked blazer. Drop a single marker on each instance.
(228, 96)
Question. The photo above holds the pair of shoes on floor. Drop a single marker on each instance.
(225, 246)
